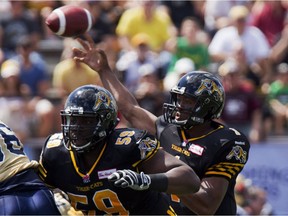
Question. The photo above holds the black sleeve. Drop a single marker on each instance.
(230, 159)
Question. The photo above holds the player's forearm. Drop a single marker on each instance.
(279, 50)
(181, 181)
(209, 197)
(127, 104)
(158, 182)
(198, 204)
(203, 202)
(111, 82)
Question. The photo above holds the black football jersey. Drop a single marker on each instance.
(89, 190)
(223, 152)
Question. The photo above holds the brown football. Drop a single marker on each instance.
(69, 21)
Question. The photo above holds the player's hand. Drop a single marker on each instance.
(128, 178)
(92, 56)
(63, 204)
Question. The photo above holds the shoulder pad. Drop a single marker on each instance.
(135, 140)
(160, 125)
(127, 135)
(54, 140)
(147, 145)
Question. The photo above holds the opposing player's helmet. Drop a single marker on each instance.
(89, 115)
(206, 92)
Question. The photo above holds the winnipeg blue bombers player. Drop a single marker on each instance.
(188, 130)
(105, 170)
(21, 190)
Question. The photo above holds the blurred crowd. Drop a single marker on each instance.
(251, 199)
(150, 44)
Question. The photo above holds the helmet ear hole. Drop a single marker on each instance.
(206, 101)
(209, 113)
(108, 115)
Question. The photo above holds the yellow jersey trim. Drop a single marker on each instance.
(92, 168)
(192, 139)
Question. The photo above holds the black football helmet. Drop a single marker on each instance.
(206, 91)
(89, 116)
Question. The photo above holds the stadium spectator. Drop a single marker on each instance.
(10, 80)
(106, 15)
(33, 69)
(250, 71)
(179, 10)
(279, 52)
(243, 104)
(254, 42)
(102, 26)
(182, 66)
(241, 193)
(17, 103)
(149, 93)
(190, 44)
(257, 202)
(129, 63)
(269, 16)
(216, 153)
(2, 57)
(251, 199)
(216, 14)
(278, 99)
(13, 100)
(17, 24)
(145, 18)
(69, 74)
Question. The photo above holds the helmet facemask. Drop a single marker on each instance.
(81, 132)
(171, 110)
(90, 115)
(206, 94)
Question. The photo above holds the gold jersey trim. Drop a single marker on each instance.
(92, 168)
(192, 139)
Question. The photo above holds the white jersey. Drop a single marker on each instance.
(253, 40)
(12, 157)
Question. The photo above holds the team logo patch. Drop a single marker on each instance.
(211, 87)
(147, 145)
(102, 99)
(196, 149)
(238, 153)
(105, 173)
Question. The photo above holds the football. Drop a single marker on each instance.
(69, 21)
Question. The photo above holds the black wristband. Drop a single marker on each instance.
(159, 182)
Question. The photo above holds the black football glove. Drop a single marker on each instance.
(128, 178)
